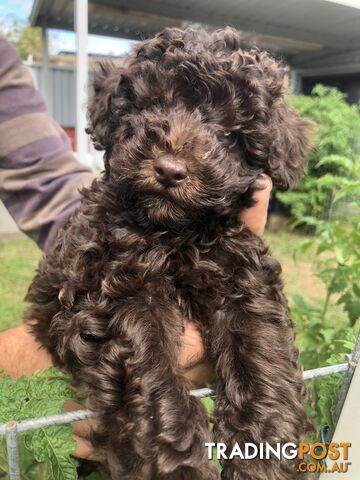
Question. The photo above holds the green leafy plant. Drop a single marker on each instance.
(338, 242)
(25, 38)
(326, 390)
(45, 452)
(336, 152)
(321, 336)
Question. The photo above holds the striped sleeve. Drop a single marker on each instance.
(40, 176)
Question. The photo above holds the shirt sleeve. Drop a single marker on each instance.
(40, 176)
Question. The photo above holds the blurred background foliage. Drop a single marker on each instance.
(334, 159)
(325, 205)
(26, 39)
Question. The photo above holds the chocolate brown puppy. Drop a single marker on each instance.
(187, 123)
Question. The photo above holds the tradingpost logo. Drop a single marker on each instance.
(311, 457)
(318, 453)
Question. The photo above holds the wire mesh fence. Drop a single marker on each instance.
(12, 428)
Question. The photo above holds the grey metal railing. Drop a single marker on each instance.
(12, 428)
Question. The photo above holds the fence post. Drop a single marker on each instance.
(12, 448)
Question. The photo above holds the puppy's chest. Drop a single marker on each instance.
(196, 278)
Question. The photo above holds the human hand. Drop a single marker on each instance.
(255, 217)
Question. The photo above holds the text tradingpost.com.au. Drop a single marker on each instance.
(310, 456)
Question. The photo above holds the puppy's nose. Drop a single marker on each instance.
(170, 172)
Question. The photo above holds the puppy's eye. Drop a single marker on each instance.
(229, 138)
(89, 337)
(166, 126)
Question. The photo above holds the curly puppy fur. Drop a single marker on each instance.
(110, 298)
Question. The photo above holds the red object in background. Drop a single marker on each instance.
(71, 134)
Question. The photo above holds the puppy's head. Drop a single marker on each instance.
(190, 120)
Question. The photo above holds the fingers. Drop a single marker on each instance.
(81, 427)
(192, 348)
(84, 449)
(200, 376)
(198, 372)
(81, 434)
(255, 217)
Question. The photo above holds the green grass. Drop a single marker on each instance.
(299, 272)
(19, 257)
(18, 260)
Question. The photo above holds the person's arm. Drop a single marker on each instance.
(40, 176)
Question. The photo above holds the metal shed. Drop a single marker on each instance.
(313, 36)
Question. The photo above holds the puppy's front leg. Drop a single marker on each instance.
(259, 391)
(160, 430)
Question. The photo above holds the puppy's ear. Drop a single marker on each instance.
(290, 136)
(102, 116)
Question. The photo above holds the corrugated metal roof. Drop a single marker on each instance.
(303, 30)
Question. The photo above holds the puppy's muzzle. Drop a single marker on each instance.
(170, 172)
